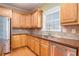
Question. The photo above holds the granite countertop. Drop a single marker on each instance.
(68, 42)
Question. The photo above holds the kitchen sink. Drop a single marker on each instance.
(47, 36)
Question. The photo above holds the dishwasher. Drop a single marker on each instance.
(62, 50)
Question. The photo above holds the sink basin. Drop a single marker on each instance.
(47, 36)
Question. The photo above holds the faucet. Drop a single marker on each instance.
(49, 30)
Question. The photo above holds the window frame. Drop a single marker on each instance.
(50, 11)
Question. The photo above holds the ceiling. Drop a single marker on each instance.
(27, 7)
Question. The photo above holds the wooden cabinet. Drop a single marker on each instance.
(15, 41)
(44, 48)
(28, 41)
(34, 20)
(22, 21)
(37, 46)
(28, 21)
(18, 41)
(5, 12)
(37, 19)
(69, 13)
(32, 43)
(16, 18)
(23, 40)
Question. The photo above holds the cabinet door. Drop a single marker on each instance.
(29, 41)
(44, 47)
(15, 42)
(44, 50)
(23, 40)
(68, 13)
(5, 12)
(16, 20)
(23, 21)
(37, 46)
(32, 20)
(28, 21)
(39, 19)
(32, 43)
(26, 40)
(35, 20)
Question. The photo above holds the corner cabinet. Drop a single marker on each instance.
(18, 41)
(15, 42)
(69, 13)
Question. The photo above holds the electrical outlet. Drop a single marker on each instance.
(73, 30)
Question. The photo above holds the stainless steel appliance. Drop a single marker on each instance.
(5, 33)
(62, 50)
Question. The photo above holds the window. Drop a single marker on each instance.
(52, 20)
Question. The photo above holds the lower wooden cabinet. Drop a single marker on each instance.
(15, 41)
(32, 43)
(28, 41)
(37, 46)
(18, 41)
(23, 40)
(44, 48)
(41, 46)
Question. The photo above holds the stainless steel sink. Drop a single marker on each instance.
(47, 36)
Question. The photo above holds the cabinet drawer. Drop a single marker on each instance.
(44, 42)
(44, 50)
(36, 39)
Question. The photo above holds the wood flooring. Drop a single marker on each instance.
(24, 51)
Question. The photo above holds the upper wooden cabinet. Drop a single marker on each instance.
(69, 13)
(37, 19)
(16, 18)
(28, 21)
(5, 12)
(22, 21)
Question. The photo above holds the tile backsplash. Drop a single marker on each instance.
(70, 32)
(19, 31)
(74, 29)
